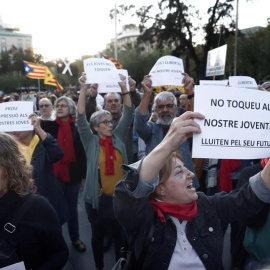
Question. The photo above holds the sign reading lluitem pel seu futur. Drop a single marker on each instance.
(236, 124)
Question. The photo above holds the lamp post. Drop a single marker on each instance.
(235, 39)
(115, 34)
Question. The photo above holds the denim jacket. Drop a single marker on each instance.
(205, 233)
(152, 134)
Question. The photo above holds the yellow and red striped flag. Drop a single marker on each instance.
(33, 70)
(51, 80)
(116, 63)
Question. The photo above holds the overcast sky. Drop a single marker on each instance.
(67, 28)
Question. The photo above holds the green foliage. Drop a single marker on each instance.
(176, 25)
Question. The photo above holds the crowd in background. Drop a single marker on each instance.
(80, 141)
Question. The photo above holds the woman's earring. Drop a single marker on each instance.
(162, 193)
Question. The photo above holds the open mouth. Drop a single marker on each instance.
(190, 186)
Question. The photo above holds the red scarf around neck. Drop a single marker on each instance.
(264, 161)
(65, 141)
(110, 155)
(181, 211)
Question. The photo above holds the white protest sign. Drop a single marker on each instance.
(236, 124)
(214, 83)
(167, 71)
(216, 61)
(100, 70)
(243, 82)
(14, 116)
(113, 87)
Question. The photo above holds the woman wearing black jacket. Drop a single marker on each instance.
(38, 236)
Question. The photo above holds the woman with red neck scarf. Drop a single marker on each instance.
(188, 230)
(106, 152)
(71, 169)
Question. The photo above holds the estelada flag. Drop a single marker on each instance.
(116, 63)
(51, 80)
(33, 70)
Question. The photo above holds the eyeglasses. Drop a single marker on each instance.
(61, 106)
(168, 106)
(44, 106)
(106, 122)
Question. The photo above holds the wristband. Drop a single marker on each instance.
(124, 93)
(191, 96)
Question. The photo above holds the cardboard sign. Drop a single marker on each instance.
(14, 116)
(236, 124)
(243, 82)
(216, 60)
(100, 70)
(167, 71)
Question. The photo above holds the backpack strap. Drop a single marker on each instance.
(14, 219)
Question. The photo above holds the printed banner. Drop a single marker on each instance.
(167, 71)
(100, 70)
(236, 124)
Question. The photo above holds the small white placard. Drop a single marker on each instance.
(243, 82)
(167, 71)
(214, 83)
(14, 116)
(216, 60)
(100, 70)
(113, 87)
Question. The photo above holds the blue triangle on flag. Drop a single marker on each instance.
(27, 68)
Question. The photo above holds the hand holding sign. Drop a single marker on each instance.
(147, 85)
(188, 84)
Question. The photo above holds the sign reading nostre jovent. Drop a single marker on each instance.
(236, 124)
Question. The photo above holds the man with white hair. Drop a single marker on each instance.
(166, 108)
(46, 109)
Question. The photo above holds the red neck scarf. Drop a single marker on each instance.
(264, 162)
(180, 211)
(65, 141)
(110, 155)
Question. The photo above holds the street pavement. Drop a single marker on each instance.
(85, 261)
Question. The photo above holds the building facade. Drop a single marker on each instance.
(10, 36)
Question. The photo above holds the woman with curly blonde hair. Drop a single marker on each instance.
(38, 237)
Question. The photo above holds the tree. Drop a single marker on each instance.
(174, 27)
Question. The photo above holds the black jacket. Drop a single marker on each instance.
(77, 170)
(38, 236)
(204, 232)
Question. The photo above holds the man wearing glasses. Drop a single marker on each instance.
(165, 104)
(46, 109)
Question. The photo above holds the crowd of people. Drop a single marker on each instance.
(129, 154)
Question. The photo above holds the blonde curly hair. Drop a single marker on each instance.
(15, 174)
